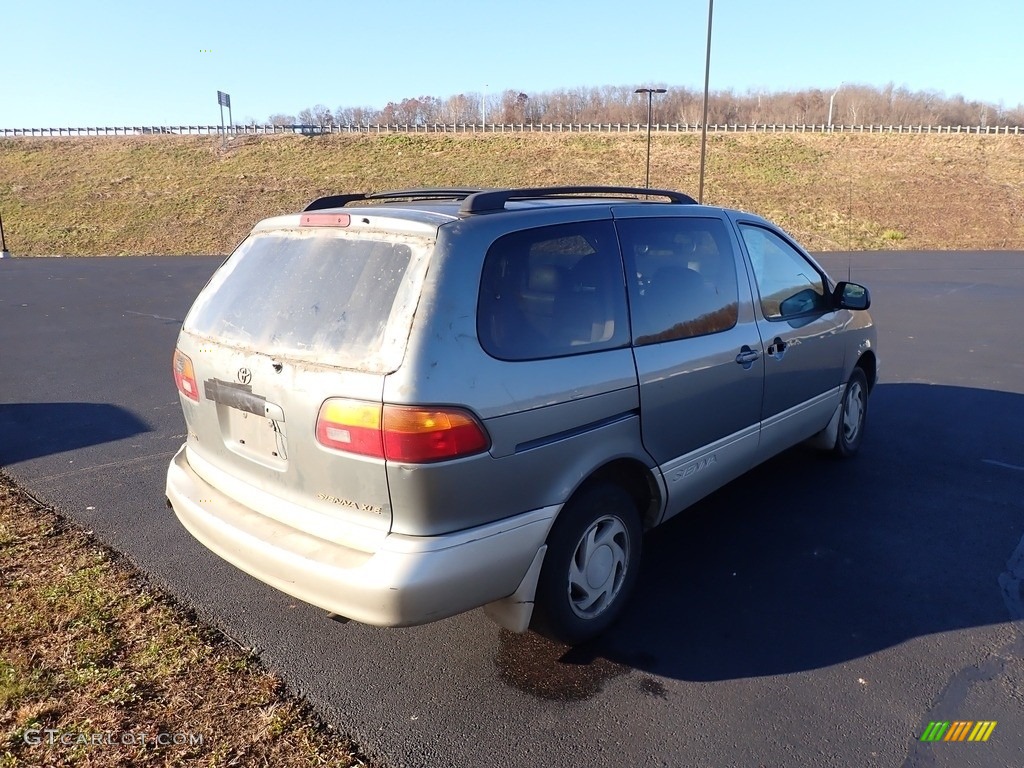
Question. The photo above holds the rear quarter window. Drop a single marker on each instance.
(318, 295)
(553, 291)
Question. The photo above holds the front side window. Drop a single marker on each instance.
(682, 277)
(553, 291)
(788, 283)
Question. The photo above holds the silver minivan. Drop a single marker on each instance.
(405, 405)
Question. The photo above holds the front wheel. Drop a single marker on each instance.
(591, 564)
(853, 415)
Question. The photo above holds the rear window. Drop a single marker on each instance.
(320, 295)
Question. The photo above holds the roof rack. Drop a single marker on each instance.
(494, 200)
(487, 200)
(426, 193)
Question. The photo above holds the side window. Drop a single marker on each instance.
(681, 275)
(553, 291)
(789, 285)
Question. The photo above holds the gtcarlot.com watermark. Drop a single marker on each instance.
(54, 737)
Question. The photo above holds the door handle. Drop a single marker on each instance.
(747, 356)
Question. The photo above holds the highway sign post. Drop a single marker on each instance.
(224, 99)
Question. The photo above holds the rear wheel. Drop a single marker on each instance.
(591, 565)
(853, 415)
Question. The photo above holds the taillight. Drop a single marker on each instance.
(350, 425)
(430, 434)
(185, 376)
(399, 432)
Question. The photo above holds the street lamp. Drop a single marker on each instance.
(650, 96)
(704, 120)
(830, 101)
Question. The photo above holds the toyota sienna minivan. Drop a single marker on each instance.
(405, 405)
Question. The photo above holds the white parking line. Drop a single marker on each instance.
(1003, 464)
(157, 317)
(162, 456)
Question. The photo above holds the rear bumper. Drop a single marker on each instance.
(408, 579)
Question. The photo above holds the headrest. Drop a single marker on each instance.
(543, 278)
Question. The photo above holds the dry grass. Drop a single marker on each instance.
(180, 194)
(87, 651)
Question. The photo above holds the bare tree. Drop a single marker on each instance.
(344, 116)
(460, 108)
(861, 104)
(322, 116)
(513, 107)
(409, 112)
(851, 108)
(536, 108)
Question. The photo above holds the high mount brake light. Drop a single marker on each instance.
(185, 375)
(325, 220)
(402, 433)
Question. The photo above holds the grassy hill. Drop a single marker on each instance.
(182, 194)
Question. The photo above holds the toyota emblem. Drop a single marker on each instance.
(244, 375)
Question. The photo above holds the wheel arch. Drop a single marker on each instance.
(869, 364)
(639, 482)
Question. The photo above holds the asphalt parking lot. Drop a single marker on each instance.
(812, 613)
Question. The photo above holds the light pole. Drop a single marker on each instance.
(704, 120)
(830, 101)
(650, 96)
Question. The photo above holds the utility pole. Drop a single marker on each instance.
(704, 121)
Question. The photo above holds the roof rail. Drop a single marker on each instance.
(426, 193)
(494, 200)
(333, 201)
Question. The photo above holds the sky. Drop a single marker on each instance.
(81, 63)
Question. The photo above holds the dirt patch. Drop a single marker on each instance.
(98, 669)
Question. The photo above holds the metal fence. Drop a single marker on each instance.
(314, 130)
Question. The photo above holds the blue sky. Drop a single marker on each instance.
(161, 63)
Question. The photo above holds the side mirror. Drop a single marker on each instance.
(850, 296)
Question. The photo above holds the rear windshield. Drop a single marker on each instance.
(321, 295)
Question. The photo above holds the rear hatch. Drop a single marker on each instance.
(308, 310)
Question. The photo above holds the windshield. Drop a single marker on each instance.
(322, 295)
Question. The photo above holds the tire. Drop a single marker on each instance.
(591, 565)
(853, 416)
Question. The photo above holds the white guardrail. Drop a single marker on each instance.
(312, 130)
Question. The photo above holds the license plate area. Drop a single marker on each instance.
(251, 427)
(256, 438)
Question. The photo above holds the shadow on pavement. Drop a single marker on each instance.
(808, 561)
(31, 430)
